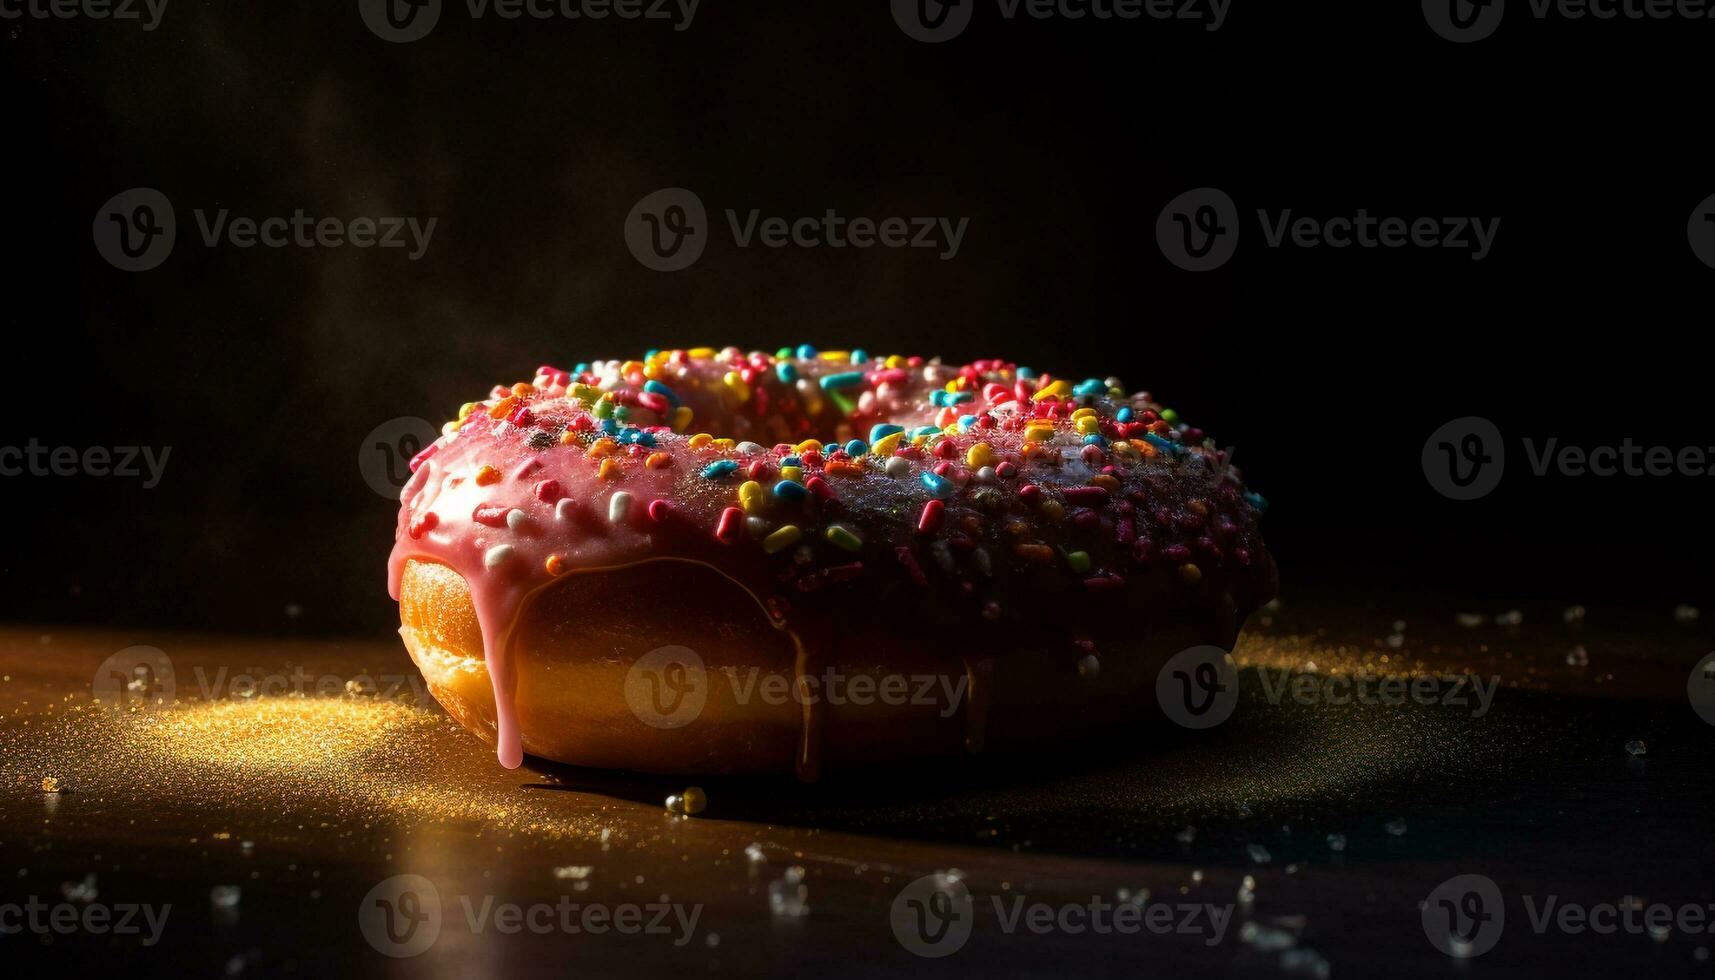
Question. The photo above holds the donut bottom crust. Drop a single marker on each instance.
(583, 697)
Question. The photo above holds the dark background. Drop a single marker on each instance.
(1061, 141)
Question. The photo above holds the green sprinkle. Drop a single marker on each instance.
(1079, 561)
(842, 537)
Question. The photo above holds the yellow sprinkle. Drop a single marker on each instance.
(887, 444)
(726, 444)
(752, 497)
(736, 385)
(700, 440)
(568, 437)
(792, 473)
(681, 419)
(895, 361)
(808, 446)
(835, 355)
(630, 368)
(1085, 412)
(1190, 573)
(786, 537)
(584, 393)
(658, 461)
(465, 410)
(1039, 433)
(609, 469)
(487, 475)
(1106, 482)
(700, 353)
(920, 440)
(1089, 425)
(1052, 510)
(1058, 389)
(449, 428)
(981, 454)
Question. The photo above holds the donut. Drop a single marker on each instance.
(839, 562)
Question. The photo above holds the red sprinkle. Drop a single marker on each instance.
(424, 524)
(660, 511)
(494, 515)
(931, 516)
(1086, 496)
(731, 525)
(549, 491)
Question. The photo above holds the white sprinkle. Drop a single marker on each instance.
(497, 555)
(618, 506)
(747, 448)
(563, 509)
(898, 467)
(516, 519)
(985, 474)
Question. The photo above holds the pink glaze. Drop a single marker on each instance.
(521, 491)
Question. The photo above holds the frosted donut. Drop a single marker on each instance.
(713, 561)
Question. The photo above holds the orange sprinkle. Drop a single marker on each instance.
(523, 388)
(556, 565)
(657, 461)
(503, 407)
(1106, 482)
(840, 467)
(609, 469)
(1034, 552)
(487, 475)
(602, 447)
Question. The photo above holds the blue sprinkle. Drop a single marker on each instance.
(610, 427)
(639, 437)
(1094, 439)
(791, 461)
(790, 490)
(1091, 387)
(650, 353)
(1123, 415)
(582, 367)
(806, 352)
(924, 430)
(938, 486)
(860, 356)
(786, 372)
(1027, 374)
(1256, 500)
(720, 468)
(879, 432)
(967, 422)
(662, 390)
(845, 379)
(857, 447)
(1160, 443)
